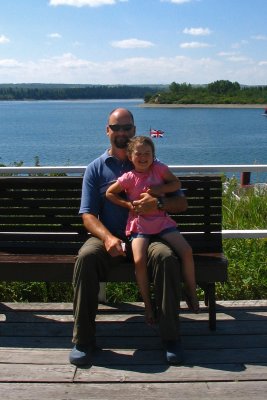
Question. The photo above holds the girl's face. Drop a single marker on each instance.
(142, 157)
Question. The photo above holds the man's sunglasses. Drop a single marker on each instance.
(126, 127)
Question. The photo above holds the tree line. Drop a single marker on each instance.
(72, 92)
(218, 92)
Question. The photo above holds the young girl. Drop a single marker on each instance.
(155, 178)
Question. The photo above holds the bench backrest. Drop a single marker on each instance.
(40, 212)
(201, 223)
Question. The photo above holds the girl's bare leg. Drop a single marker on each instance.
(182, 248)
(139, 247)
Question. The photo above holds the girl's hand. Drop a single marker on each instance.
(131, 206)
(145, 204)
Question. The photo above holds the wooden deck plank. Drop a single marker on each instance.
(36, 373)
(136, 357)
(119, 373)
(33, 306)
(35, 340)
(161, 373)
(30, 316)
(189, 342)
(131, 391)
(136, 329)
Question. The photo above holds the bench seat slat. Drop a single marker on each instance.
(43, 267)
(35, 202)
(41, 228)
(48, 210)
(39, 220)
(14, 182)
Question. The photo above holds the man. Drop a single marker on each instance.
(106, 222)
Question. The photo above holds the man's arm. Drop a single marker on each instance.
(172, 204)
(97, 229)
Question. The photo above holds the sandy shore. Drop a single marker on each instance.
(145, 105)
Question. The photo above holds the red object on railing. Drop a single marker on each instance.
(245, 178)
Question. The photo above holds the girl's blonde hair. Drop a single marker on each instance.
(133, 142)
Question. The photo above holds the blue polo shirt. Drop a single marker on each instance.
(99, 175)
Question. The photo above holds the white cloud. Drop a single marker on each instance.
(9, 63)
(77, 44)
(176, 1)
(259, 37)
(67, 68)
(227, 53)
(238, 59)
(194, 45)
(237, 45)
(82, 3)
(161, 70)
(54, 35)
(234, 56)
(4, 39)
(132, 44)
(197, 31)
(142, 70)
(67, 61)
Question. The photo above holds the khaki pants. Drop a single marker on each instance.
(90, 268)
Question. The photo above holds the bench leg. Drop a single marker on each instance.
(210, 302)
(210, 293)
(102, 298)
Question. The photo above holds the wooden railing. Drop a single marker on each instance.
(252, 168)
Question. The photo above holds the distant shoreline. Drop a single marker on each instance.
(146, 105)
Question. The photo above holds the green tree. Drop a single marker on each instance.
(223, 87)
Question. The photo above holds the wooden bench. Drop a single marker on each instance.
(41, 232)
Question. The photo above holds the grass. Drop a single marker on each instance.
(242, 209)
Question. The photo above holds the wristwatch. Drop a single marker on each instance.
(160, 203)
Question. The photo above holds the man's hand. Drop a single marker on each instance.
(113, 246)
(96, 228)
(172, 204)
(155, 191)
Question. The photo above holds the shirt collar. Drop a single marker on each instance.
(106, 157)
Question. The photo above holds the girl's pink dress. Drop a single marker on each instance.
(134, 183)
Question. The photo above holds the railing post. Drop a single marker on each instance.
(245, 178)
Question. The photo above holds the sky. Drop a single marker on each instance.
(131, 42)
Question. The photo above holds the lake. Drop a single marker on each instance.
(73, 132)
